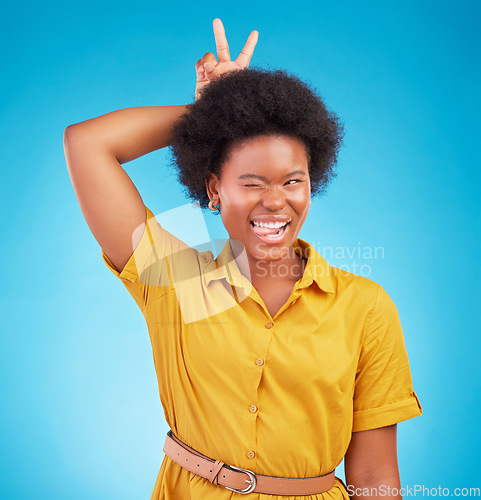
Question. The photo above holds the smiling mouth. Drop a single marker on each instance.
(270, 231)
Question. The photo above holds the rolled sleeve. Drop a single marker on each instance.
(383, 393)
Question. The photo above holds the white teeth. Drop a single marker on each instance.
(269, 225)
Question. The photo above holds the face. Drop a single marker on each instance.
(265, 194)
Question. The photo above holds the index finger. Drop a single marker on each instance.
(245, 56)
(221, 41)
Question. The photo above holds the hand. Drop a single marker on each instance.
(208, 68)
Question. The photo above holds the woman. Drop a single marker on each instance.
(272, 365)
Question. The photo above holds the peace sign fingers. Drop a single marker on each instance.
(208, 68)
(246, 53)
(221, 41)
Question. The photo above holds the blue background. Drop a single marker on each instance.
(80, 414)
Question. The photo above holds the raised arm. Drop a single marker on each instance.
(94, 151)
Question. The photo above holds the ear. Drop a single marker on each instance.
(212, 186)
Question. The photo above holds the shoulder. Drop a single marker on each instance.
(185, 262)
(346, 282)
(359, 289)
(349, 289)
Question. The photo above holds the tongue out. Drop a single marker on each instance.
(264, 231)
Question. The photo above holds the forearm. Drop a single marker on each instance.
(389, 488)
(371, 464)
(129, 133)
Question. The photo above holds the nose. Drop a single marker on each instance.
(273, 199)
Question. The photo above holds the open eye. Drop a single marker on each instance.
(293, 181)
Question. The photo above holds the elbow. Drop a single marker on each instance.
(74, 137)
(69, 132)
(72, 144)
(67, 136)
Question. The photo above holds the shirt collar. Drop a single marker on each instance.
(317, 269)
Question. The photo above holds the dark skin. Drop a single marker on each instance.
(114, 209)
(371, 458)
(371, 461)
(265, 178)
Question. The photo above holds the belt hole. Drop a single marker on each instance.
(186, 459)
(198, 465)
(211, 470)
(223, 476)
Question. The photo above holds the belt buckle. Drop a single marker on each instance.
(252, 481)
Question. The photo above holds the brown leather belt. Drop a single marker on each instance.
(234, 478)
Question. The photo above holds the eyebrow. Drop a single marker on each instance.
(262, 178)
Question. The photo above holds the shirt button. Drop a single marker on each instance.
(250, 454)
(253, 408)
(259, 361)
(270, 324)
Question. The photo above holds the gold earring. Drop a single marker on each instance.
(214, 207)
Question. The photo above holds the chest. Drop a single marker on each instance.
(241, 351)
(308, 346)
(274, 294)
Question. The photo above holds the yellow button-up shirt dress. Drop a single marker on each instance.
(280, 395)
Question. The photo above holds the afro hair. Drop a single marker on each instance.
(246, 103)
